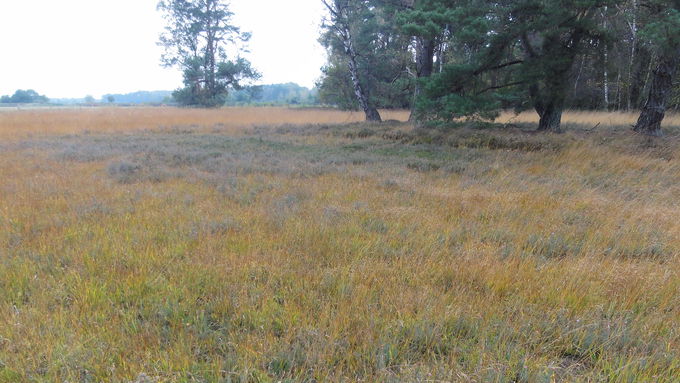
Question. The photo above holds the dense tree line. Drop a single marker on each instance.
(274, 94)
(448, 59)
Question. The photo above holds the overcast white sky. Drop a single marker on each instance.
(72, 48)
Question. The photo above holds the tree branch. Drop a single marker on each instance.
(500, 87)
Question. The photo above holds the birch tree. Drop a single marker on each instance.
(344, 24)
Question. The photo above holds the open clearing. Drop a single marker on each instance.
(268, 244)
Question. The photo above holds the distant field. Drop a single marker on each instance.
(73, 120)
(21, 123)
(281, 245)
(590, 119)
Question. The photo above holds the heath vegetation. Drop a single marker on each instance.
(273, 245)
(427, 234)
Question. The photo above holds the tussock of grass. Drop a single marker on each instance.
(326, 252)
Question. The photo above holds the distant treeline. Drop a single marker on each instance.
(141, 97)
(274, 94)
(24, 97)
(271, 94)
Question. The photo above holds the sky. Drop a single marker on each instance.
(74, 48)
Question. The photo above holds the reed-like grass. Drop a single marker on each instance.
(191, 250)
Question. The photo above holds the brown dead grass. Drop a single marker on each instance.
(21, 124)
(25, 123)
(588, 119)
(360, 253)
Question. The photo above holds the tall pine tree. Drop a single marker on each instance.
(197, 37)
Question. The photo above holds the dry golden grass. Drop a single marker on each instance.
(589, 119)
(207, 253)
(21, 124)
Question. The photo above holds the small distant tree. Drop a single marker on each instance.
(25, 97)
(89, 99)
(197, 38)
(110, 99)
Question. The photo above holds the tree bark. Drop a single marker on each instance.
(549, 105)
(654, 110)
(548, 95)
(640, 70)
(338, 10)
(362, 97)
(633, 50)
(551, 119)
(605, 75)
(425, 49)
(549, 98)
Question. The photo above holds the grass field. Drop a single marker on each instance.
(276, 245)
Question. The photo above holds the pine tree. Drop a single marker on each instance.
(521, 55)
(196, 39)
(664, 32)
(428, 23)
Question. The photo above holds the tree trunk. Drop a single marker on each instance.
(640, 70)
(605, 75)
(551, 119)
(580, 71)
(549, 101)
(362, 97)
(210, 48)
(548, 95)
(425, 48)
(618, 91)
(338, 10)
(654, 110)
(633, 45)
